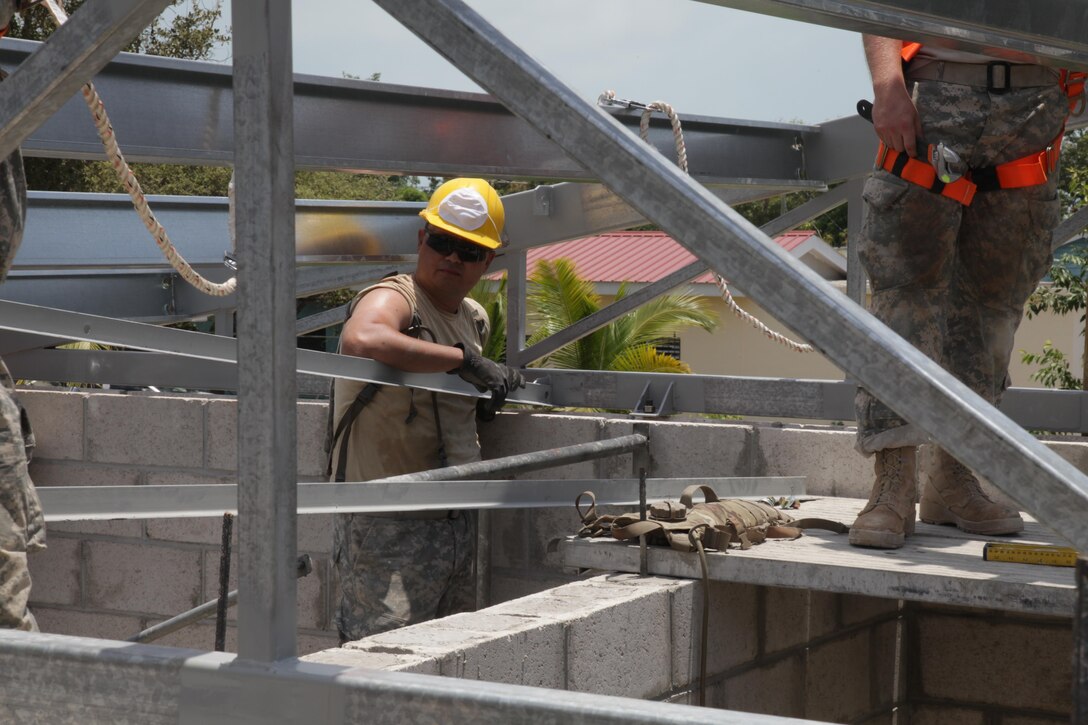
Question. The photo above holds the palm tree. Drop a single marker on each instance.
(493, 299)
(558, 298)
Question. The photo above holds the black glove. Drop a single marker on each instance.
(487, 375)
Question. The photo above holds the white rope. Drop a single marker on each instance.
(609, 98)
(132, 186)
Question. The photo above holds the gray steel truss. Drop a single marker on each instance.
(898, 374)
(1050, 32)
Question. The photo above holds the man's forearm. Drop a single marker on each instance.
(885, 65)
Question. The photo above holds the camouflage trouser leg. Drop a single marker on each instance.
(953, 280)
(396, 572)
(15, 510)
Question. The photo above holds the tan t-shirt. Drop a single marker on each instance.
(395, 433)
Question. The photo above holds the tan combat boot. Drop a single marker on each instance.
(889, 516)
(951, 495)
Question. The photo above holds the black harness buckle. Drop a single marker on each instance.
(1005, 76)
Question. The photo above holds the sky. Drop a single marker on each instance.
(703, 59)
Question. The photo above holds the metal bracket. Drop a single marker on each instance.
(652, 404)
(543, 201)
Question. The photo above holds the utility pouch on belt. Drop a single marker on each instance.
(731, 522)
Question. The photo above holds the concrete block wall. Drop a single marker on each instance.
(770, 651)
(111, 579)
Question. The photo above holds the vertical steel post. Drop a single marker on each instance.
(265, 228)
(1080, 646)
(516, 288)
(855, 275)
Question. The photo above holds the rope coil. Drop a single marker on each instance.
(608, 98)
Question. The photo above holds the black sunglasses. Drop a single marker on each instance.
(445, 243)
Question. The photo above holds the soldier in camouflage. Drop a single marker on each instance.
(950, 278)
(22, 529)
(400, 568)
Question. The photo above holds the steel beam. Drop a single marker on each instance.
(75, 52)
(105, 503)
(265, 225)
(912, 384)
(138, 336)
(178, 111)
(1042, 31)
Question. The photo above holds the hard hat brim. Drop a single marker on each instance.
(483, 240)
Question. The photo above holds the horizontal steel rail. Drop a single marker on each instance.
(185, 115)
(105, 503)
(77, 326)
(904, 378)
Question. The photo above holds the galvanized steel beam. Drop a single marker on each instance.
(1050, 32)
(891, 368)
(184, 116)
(105, 503)
(265, 226)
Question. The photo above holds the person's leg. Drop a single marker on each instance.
(460, 594)
(16, 520)
(1003, 252)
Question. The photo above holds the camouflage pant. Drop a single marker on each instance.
(21, 529)
(395, 572)
(950, 279)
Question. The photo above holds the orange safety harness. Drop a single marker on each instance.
(1031, 170)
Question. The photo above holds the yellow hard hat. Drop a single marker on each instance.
(467, 208)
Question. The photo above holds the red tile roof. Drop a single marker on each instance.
(634, 256)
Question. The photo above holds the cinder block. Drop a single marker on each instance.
(1029, 720)
(1075, 453)
(548, 526)
(734, 633)
(823, 613)
(315, 533)
(54, 573)
(86, 624)
(429, 639)
(57, 420)
(145, 430)
(199, 636)
(222, 441)
(59, 473)
(857, 608)
(310, 642)
(722, 450)
(510, 538)
(777, 689)
(946, 715)
(786, 618)
(312, 418)
(623, 649)
(837, 679)
(520, 651)
(977, 661)
(221, 421)
(507, 585)
(826, 458)
(142, 578)
(542, 431)
(684, 633)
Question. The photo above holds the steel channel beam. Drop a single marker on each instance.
(1050, 32)
(138, 336)
(47, 79)
(790, 220)
(265, 226)
(179, 111)
(216, 688)
(891, 368)
(105, 503)
(1063, 411)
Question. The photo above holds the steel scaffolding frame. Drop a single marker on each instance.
(264, 159)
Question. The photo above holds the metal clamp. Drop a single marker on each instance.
(646, 407)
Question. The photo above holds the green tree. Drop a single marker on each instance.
(492, 298)
(1068, 290)
(559, 297)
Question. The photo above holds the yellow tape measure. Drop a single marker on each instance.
(1030, 554)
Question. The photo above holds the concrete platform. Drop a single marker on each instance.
(939, 564)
